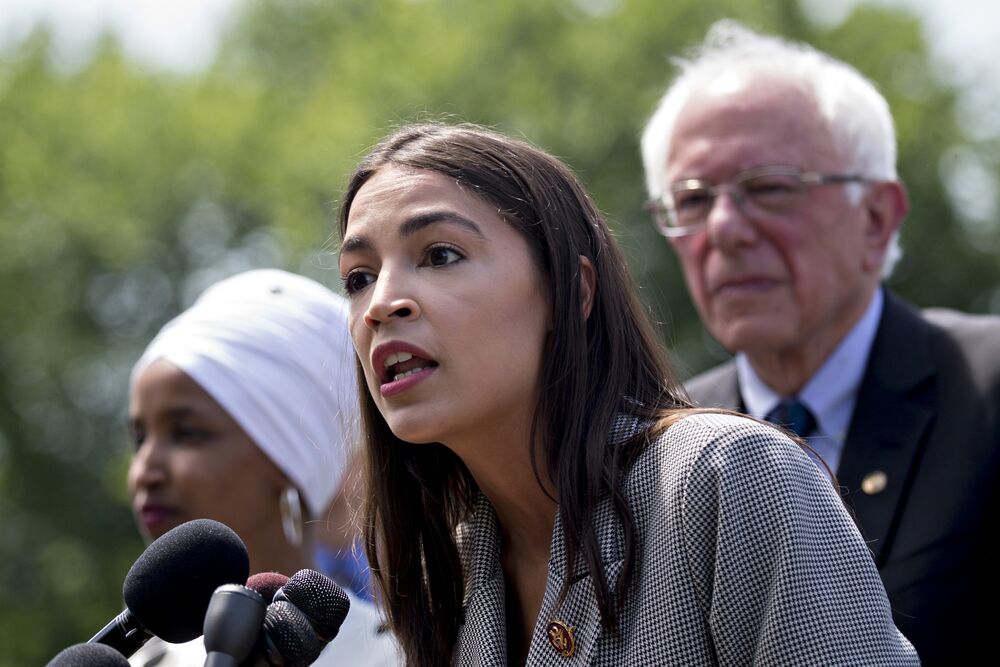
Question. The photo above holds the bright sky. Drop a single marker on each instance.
(181, 34)
(175, 34)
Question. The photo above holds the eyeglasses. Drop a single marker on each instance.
(758, 193)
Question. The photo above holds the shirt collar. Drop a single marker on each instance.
(831, 392)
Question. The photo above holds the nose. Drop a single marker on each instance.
(391, 300)
(149, 465)
(729, 228)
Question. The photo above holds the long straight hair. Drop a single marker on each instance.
(594, 369)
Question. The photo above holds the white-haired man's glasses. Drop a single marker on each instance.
(759, 192)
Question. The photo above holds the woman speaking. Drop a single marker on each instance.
(539, 486)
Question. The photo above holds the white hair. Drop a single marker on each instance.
(856, 113)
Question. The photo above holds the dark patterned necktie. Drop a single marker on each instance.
(793, 415)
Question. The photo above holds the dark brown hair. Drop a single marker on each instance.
(594, 368)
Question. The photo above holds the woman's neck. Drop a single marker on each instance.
(526, 510)
(524, 502)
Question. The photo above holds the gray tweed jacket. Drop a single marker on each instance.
(746, 557)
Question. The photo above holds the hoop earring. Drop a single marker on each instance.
(290, 506)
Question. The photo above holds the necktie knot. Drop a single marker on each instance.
(793, 415)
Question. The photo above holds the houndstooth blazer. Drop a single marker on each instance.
(746, 557)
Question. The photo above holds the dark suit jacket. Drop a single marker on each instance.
(928, 417)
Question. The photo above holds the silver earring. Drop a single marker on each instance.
(291, 515)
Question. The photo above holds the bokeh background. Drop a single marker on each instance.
(150, 148)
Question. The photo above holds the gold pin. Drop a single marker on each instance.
(561, 637)
(874, 482)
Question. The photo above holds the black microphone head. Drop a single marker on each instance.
(88, 655)
(288, 633)
(233, 620)
(170, 585)
(266, 583)
(323, 602)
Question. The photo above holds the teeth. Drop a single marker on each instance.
(396, 358)
(407, 374)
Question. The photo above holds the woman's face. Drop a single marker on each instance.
(193, 461)
(449, 309)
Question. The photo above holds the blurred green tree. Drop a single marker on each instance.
(124, 192)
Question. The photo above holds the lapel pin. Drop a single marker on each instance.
(561, 637)
(874, 482)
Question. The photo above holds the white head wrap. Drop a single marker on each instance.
(272, 348)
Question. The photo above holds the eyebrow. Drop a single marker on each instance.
(179, 412)
(413, 225)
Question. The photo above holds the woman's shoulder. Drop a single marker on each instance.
(709, 473)
(719, 445)
(695, 432)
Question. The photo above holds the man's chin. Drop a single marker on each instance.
(759, 334)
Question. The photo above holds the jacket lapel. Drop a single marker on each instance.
(889, 424)
(482, 638)
(578, 614)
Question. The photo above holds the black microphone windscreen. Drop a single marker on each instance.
(169, 587)
(291, 635)
(88, 655)
(318, 597)
(266, 583)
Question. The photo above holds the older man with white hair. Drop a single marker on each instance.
(771, 171)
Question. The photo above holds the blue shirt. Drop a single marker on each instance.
(347, 567)
(831, 393)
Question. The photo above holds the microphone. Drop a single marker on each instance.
(88, 655)
(286, 640)
(307, 613)
(267, 584)
(169, 586)
(322, 601)
(234, 617)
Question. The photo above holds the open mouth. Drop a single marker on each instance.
(401, 365)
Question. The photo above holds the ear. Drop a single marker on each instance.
(588, 279)
(885, 204)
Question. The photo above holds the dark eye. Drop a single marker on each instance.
(188, 433)
(694, 199)
(768, 188)
(137, 436)
(692, 205)
(357, 280)
(443, 255)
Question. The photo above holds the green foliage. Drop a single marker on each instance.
(124, 192)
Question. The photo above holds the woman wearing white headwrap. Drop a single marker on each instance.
(242, 410)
